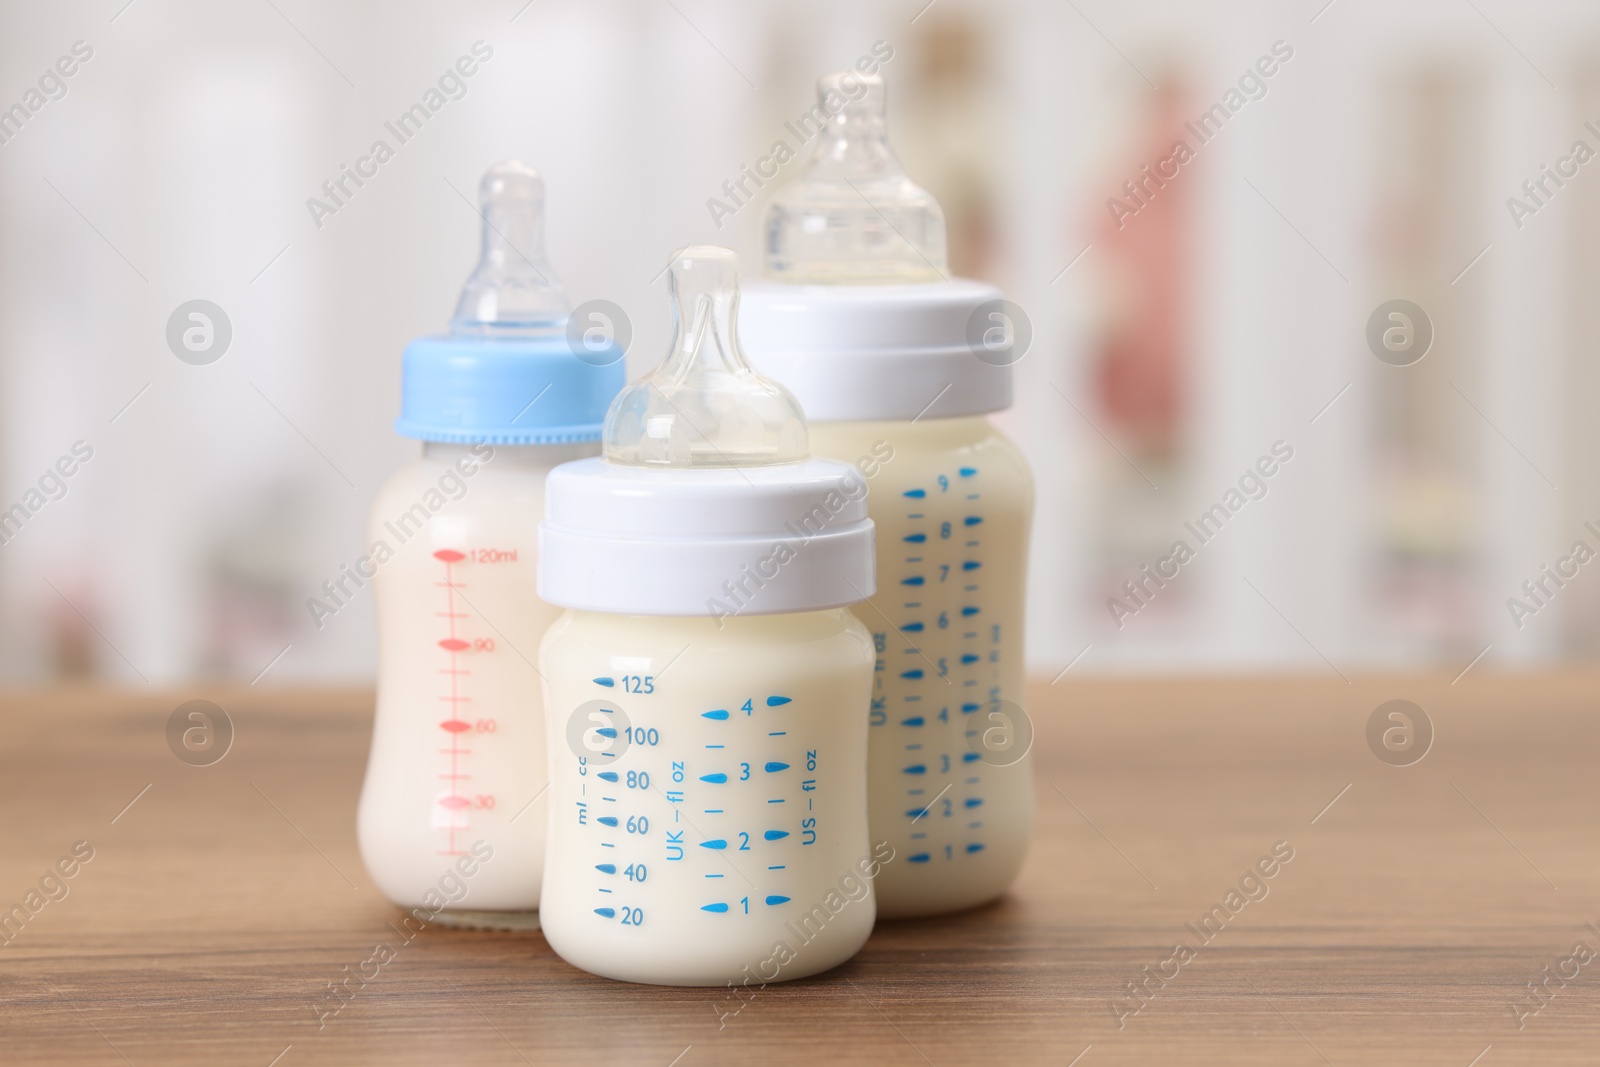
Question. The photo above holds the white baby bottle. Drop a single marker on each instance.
(707, 751)
(451, 820)
(897, 365)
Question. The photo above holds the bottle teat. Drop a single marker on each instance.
(705, 406)
(513, 288)
(853, 216)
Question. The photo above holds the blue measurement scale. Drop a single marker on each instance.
(707, 811)
(938, 668)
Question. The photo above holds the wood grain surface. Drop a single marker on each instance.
(1419, 904)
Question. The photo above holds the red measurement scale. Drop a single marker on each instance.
(455, 803)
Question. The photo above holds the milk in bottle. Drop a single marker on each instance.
(457, 768)
(896, 365)
(704, 692)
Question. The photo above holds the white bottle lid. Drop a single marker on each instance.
(705, 542)
(861, 353)
(705, 503)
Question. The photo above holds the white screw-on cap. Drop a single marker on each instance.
(708, 541)
(880, 352)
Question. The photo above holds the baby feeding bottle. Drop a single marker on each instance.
(707, 748)
(897, 365)
(458, 761)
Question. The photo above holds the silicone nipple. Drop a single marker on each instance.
(513, 287)
(705, 406)
(853, 216)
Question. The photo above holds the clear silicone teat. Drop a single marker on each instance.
(853, 217)
(513, 288)
(705, 406)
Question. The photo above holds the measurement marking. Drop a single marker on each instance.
(286, 1049)
(502, 636)
(1480, 1055)
(303, 837)
(1331, 803)
(114, 18)
(131, 803)
(686, 1049)
(1086, 1049)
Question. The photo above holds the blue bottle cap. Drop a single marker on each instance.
(506, 373)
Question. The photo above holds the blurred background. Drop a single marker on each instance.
(1182, 328)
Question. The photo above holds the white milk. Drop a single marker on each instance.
(500, 399)
(705, 694)
(725, 843)
(952, 509)
(890, 356)
(458, 749)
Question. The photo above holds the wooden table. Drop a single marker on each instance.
(1419, 902)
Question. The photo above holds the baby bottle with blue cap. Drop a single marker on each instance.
(451, 820)
(704, 693)
(898, 366)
